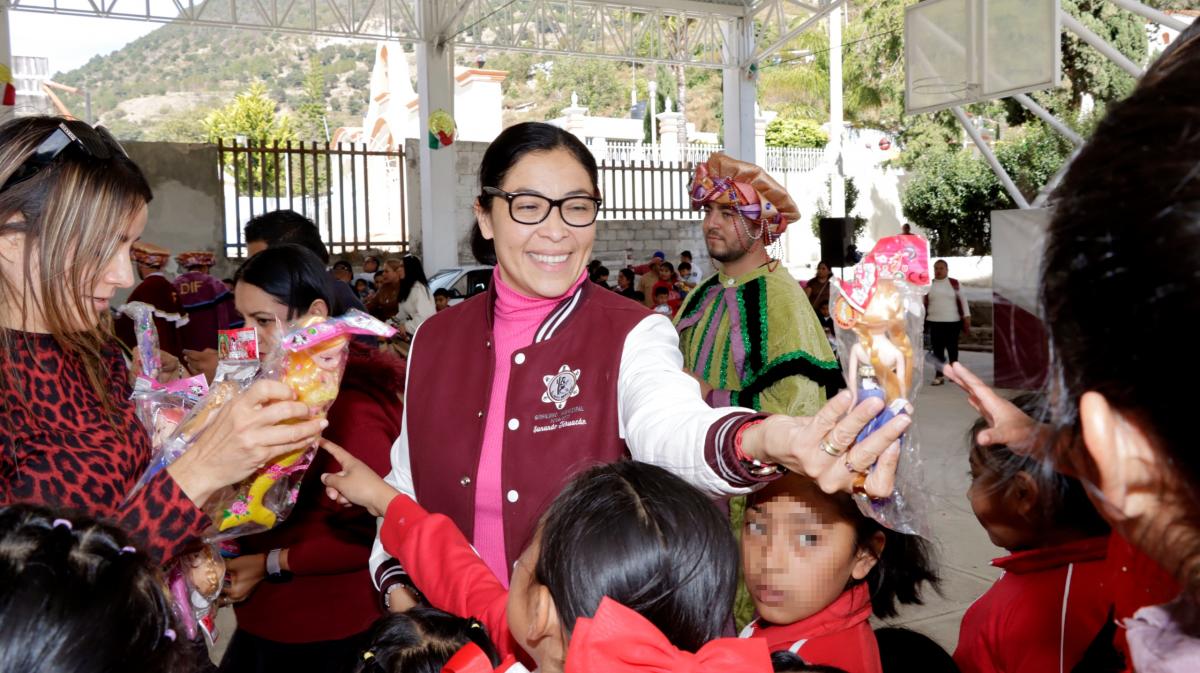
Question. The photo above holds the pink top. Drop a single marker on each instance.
(516, 320)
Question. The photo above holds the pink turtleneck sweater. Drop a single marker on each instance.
(516, 320)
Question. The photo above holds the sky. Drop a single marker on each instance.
(70, 41)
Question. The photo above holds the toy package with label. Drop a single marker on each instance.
(879, 319)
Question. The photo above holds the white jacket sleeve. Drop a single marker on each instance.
(400, 478)
(418, 307)
(664, 420)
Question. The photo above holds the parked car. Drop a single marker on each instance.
(462, 282)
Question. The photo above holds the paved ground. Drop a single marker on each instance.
(964, 550)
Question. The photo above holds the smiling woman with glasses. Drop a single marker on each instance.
(72, 204)
(512, 392)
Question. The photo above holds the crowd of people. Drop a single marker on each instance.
(541, 478)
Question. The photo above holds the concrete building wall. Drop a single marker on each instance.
(186, 213)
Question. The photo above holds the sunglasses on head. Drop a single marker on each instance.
(96, 143)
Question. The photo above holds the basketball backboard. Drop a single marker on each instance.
(966, 51)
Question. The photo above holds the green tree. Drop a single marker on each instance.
(600, 89)
(312, 107)
(851, 200)
(950, 195)
(254, 115)
(793, 132)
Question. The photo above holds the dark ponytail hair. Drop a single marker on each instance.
(292, 274)
(421, 640)
(905, 563)
(505, 151)
(414, 273)
(1064, 502)
(74, 596)
(646, 539)
(785, 661)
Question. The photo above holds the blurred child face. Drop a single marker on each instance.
(660, 299)
(441, 302)
(799, 552)
(998, 507)
(664, 273)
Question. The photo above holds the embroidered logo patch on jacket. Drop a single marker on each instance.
(561, 387)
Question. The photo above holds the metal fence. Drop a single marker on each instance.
(644, 190)
(355, 196)
(640, 182)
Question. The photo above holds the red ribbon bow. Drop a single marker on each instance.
(618, 639)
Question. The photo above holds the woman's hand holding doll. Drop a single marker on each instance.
(245, 435)
(823, 447)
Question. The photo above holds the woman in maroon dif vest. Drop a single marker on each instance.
(513, 392)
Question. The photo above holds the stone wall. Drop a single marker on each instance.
(633, 241)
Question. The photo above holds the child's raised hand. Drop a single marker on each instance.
(356, 483)
(1007, 423)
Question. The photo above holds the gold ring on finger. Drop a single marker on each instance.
(832, 450)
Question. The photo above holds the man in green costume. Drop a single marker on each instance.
(748, 332)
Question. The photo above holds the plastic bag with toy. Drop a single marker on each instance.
(175, 413)
(195, 581)
(879, 320)
(310, 359)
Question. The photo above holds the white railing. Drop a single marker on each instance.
(627, 151)
(777, 159)
(793, 159)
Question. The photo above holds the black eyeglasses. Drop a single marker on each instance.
(96, 143)
(527, 208)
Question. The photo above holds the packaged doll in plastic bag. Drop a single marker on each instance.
(195, 581)
(175, 413)
(311, 359)
(879, 321)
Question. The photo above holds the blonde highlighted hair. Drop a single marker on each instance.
(73, 214)
(887, 309)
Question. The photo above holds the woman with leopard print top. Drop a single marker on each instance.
(71, 206)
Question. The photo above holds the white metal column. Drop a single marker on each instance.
(6, 58)
(740, 91)
(837, 179)
(435, 88)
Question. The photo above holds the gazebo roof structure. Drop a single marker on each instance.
(730, 35)
(643, 31)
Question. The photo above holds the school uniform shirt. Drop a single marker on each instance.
(447, 570)
(840, 635)
(1042, 614)
(1137, 582)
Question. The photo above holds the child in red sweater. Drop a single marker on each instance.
(816, 569)
(631, 569)
(1055, 597)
